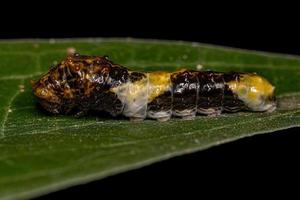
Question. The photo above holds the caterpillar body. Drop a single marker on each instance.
(81, 83)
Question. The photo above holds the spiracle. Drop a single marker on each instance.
(80, 84)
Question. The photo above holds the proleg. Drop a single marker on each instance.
(80, 84)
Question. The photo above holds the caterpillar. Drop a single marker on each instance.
(80, 84)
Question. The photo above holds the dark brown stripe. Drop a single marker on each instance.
(118, 75)
(161, 103)
(184, 85)
(231, 103)
(107, 102)
(136, 76)
(211, 90)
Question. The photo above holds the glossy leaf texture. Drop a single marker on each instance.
(41, 153)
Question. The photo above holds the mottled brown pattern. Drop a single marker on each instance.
(81, 83)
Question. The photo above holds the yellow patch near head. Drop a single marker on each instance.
(159, 82)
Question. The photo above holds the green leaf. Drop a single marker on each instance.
(41, 153)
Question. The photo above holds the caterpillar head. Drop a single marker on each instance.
(53, 89)
(47, 95)
(70, 84)
(255, 91)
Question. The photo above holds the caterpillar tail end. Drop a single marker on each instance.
(257, 93)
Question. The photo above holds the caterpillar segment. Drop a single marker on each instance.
(80, 84)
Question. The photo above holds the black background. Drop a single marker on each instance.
(249, 165)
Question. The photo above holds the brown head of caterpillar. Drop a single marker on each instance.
(47, 94)
(257, 93)
(78, 83)
(48, 91)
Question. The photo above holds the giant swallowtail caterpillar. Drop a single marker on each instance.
(80, 84)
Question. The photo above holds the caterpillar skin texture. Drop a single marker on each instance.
(80, 83)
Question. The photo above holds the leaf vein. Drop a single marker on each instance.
(2, 134)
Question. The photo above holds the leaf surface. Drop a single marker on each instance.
(42, 153)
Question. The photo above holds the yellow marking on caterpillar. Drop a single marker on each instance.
(159, 82)
(137, 89)
(254, 90)
(134, 96)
